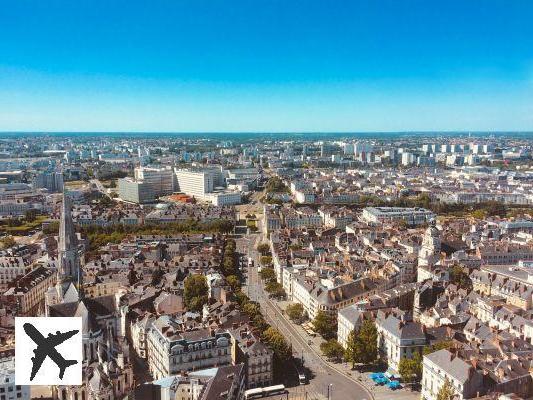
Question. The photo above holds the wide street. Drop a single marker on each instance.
(320, 373)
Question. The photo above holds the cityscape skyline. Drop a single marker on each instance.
(266, 199)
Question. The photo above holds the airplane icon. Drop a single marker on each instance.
(46, 348)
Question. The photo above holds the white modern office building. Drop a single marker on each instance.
(50, 180)
(147, 185)
(194, 183)
(202, 184)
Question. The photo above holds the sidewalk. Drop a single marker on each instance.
(377, 392)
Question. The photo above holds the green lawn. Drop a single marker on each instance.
(25, 227)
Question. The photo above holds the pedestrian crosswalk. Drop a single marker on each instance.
(307, 392)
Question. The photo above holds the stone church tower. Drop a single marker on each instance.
(431, 245)
(69, 274)
(68, 250)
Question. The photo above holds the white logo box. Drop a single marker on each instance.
(69, 350)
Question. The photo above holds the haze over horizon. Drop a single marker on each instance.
(266, 66)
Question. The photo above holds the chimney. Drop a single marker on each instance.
(452, 355)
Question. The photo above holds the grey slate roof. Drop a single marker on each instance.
(451, 365)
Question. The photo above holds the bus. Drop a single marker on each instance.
(302, 378)
(264, 392)
(253, 393)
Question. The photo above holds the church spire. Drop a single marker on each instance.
(67, 235)
(68, 251)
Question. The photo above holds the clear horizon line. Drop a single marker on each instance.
(268, 132)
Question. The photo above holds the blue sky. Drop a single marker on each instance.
(267, 65)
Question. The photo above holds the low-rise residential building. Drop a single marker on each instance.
(499, 253)
(172, 349)
(28, 292)
(514, 284)
(443, 364)
(256, 356)
(9, 390)
(316, 297)
(399, 336)
(348, 319)
(226, 382)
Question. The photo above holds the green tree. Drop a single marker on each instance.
(368, 335)
(443, 344)
(51, 228)
(7, 242)
(361, 346)
(265, 260)
(446, 391)
(495, 208)
(241, 298)
(263, 248)
(325, 325)
(252, 309)
(229, 266)
(259, 323)
(295, 311)
(13, 222)
(353, 348)
(460, 277)
(30, 215)
(332, 349)
(195, 292)
(276, 185)
(277, 343)
(411, 369)
(423, 201)
(275, 289)
(479, 214)
(267, 274)
(233, 282)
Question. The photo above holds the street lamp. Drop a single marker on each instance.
(330, 391)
